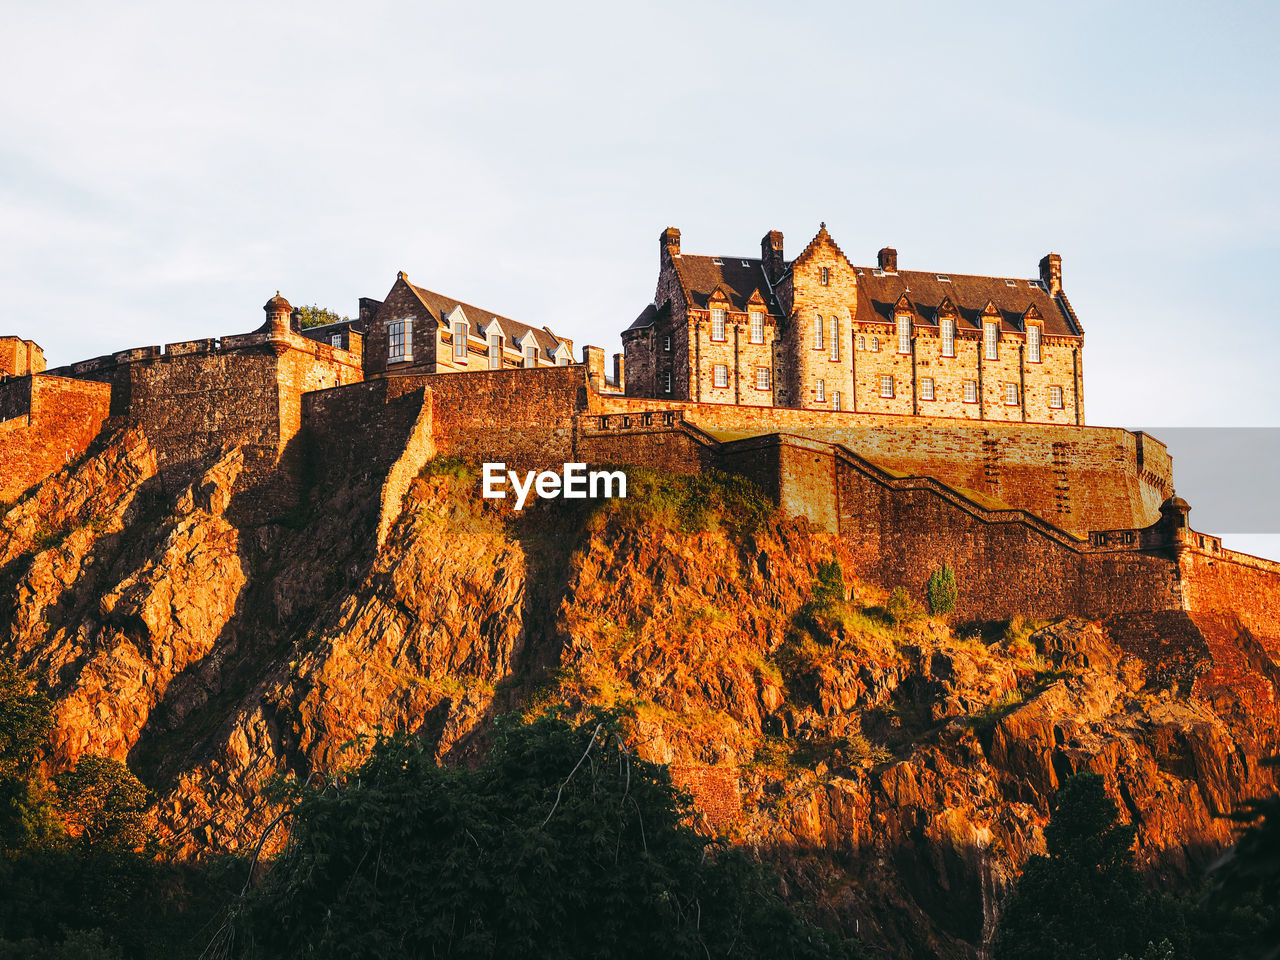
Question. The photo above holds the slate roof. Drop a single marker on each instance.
(877, 296)
(738, 277)
(878, 292)
(650, 315)
(439, 305)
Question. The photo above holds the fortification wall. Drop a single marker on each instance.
(20, 358)
(47, 422)
(1079, 478)
(1006, 561)
(522, 417)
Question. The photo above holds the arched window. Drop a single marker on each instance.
(835, 338)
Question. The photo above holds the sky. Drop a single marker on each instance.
(165, 168)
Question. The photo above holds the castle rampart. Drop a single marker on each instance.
(45, 422)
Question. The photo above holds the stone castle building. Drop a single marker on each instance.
(819, 333)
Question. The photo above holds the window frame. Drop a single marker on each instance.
(1056, 391)
(495, 351)
(927, 384)
(990, 340)
(400, 333)
(719, 323)
(756, 319)
(461, 331)
(1011, 394)
(887, 384)
(820, 334)
(667, 381)
(836, 402)
(969, 391)
(1035, 342)
(720, 375)
(821, 390)
(947, 334)
(833, 354)
(764, 374)
(903, 324)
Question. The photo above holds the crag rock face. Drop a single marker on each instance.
(898, 772)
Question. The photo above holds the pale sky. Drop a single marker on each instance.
(164, 167)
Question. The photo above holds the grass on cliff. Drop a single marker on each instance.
(691, 503)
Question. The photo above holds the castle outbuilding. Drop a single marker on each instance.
(416, 331)
(819, 333)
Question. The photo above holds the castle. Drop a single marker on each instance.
(818, 333)
(1039, 513)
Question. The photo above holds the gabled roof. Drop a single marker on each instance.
(651, 315)
(878, 295)
(818, 237)
(439, 305)
(738, 277)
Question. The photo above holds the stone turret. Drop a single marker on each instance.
(277, 326)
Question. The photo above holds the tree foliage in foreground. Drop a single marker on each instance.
(317, 316)
(561, 844)
(1085, 900)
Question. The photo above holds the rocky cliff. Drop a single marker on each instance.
(898, 770)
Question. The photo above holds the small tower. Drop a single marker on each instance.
(278, 311)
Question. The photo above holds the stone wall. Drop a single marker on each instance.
(20, 358)
(1079, 478)
(61, 418)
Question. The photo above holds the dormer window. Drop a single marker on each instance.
(495, 352)
(460, 331)
(991, 339)
(717, 324)
(399, 341)
(818, 343)
(825, 274)
(531, 355)
(904, 333)
(757, 326)
(1033, 342)
(948, 331)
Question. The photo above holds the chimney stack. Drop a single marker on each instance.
(888, 259)
(619, 372)
(771, 254)
(669, 241)
(1051, 273)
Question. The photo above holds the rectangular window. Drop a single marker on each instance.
(1010, 394)
(721, 375)
(530, 355)
(757, 326)
(1033, 343)
(904, 334)
(818, 343)
(400, 340)
(836, 404)
(762, 378)
(459, 341)
(826, 276)
(717, 325)
(948, 337)
(971, 391)
(666, 344)
(990, 338)
(822, 391)
(1055, 397)
(562, 362)
(666, 382)
(886, 385)
(495, 352)
(335, 340)
(835, 339)
(926, 388)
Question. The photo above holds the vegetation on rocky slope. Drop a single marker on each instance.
(897, 768)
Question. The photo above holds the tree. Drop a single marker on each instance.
(940, 590)
(900, 607)
(317, 316)
(560, 844)
(26, 717)
(103, 803)
(1085, 900)
(1245, 889)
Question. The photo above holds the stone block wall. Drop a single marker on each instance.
(61, 418)
(20, 358)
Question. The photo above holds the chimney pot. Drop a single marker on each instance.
(670, 240)
(1051, 273)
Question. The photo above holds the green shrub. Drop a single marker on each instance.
(940, 590)
(901, 606)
